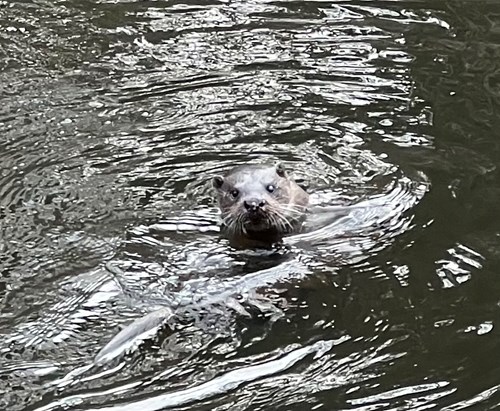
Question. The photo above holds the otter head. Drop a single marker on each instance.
(258, 199)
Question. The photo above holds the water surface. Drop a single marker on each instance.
(116, 114)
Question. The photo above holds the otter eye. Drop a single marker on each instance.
(271, 188)
(234, 193)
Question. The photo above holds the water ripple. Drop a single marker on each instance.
(116, 114)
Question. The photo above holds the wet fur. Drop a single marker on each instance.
(282, 213)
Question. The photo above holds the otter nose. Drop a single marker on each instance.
(254, 204)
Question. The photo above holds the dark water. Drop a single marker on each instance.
(115, 114)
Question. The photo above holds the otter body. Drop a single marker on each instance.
(260, 204)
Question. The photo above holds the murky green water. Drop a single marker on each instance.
(114, 116)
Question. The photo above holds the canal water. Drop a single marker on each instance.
(117, 291)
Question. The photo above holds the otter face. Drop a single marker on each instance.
(257, 198)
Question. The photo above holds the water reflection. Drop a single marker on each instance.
(116, 114)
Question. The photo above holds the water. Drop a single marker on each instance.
(116, 114)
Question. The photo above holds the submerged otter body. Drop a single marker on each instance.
(260, 204)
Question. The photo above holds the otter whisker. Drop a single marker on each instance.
(285, 223)
(294, 210)
(241, 224)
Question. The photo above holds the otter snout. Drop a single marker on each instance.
(253, 205)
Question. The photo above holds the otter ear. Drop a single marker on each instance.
(280, 170)
(217, 182)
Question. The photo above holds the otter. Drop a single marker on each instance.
(260, 204)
